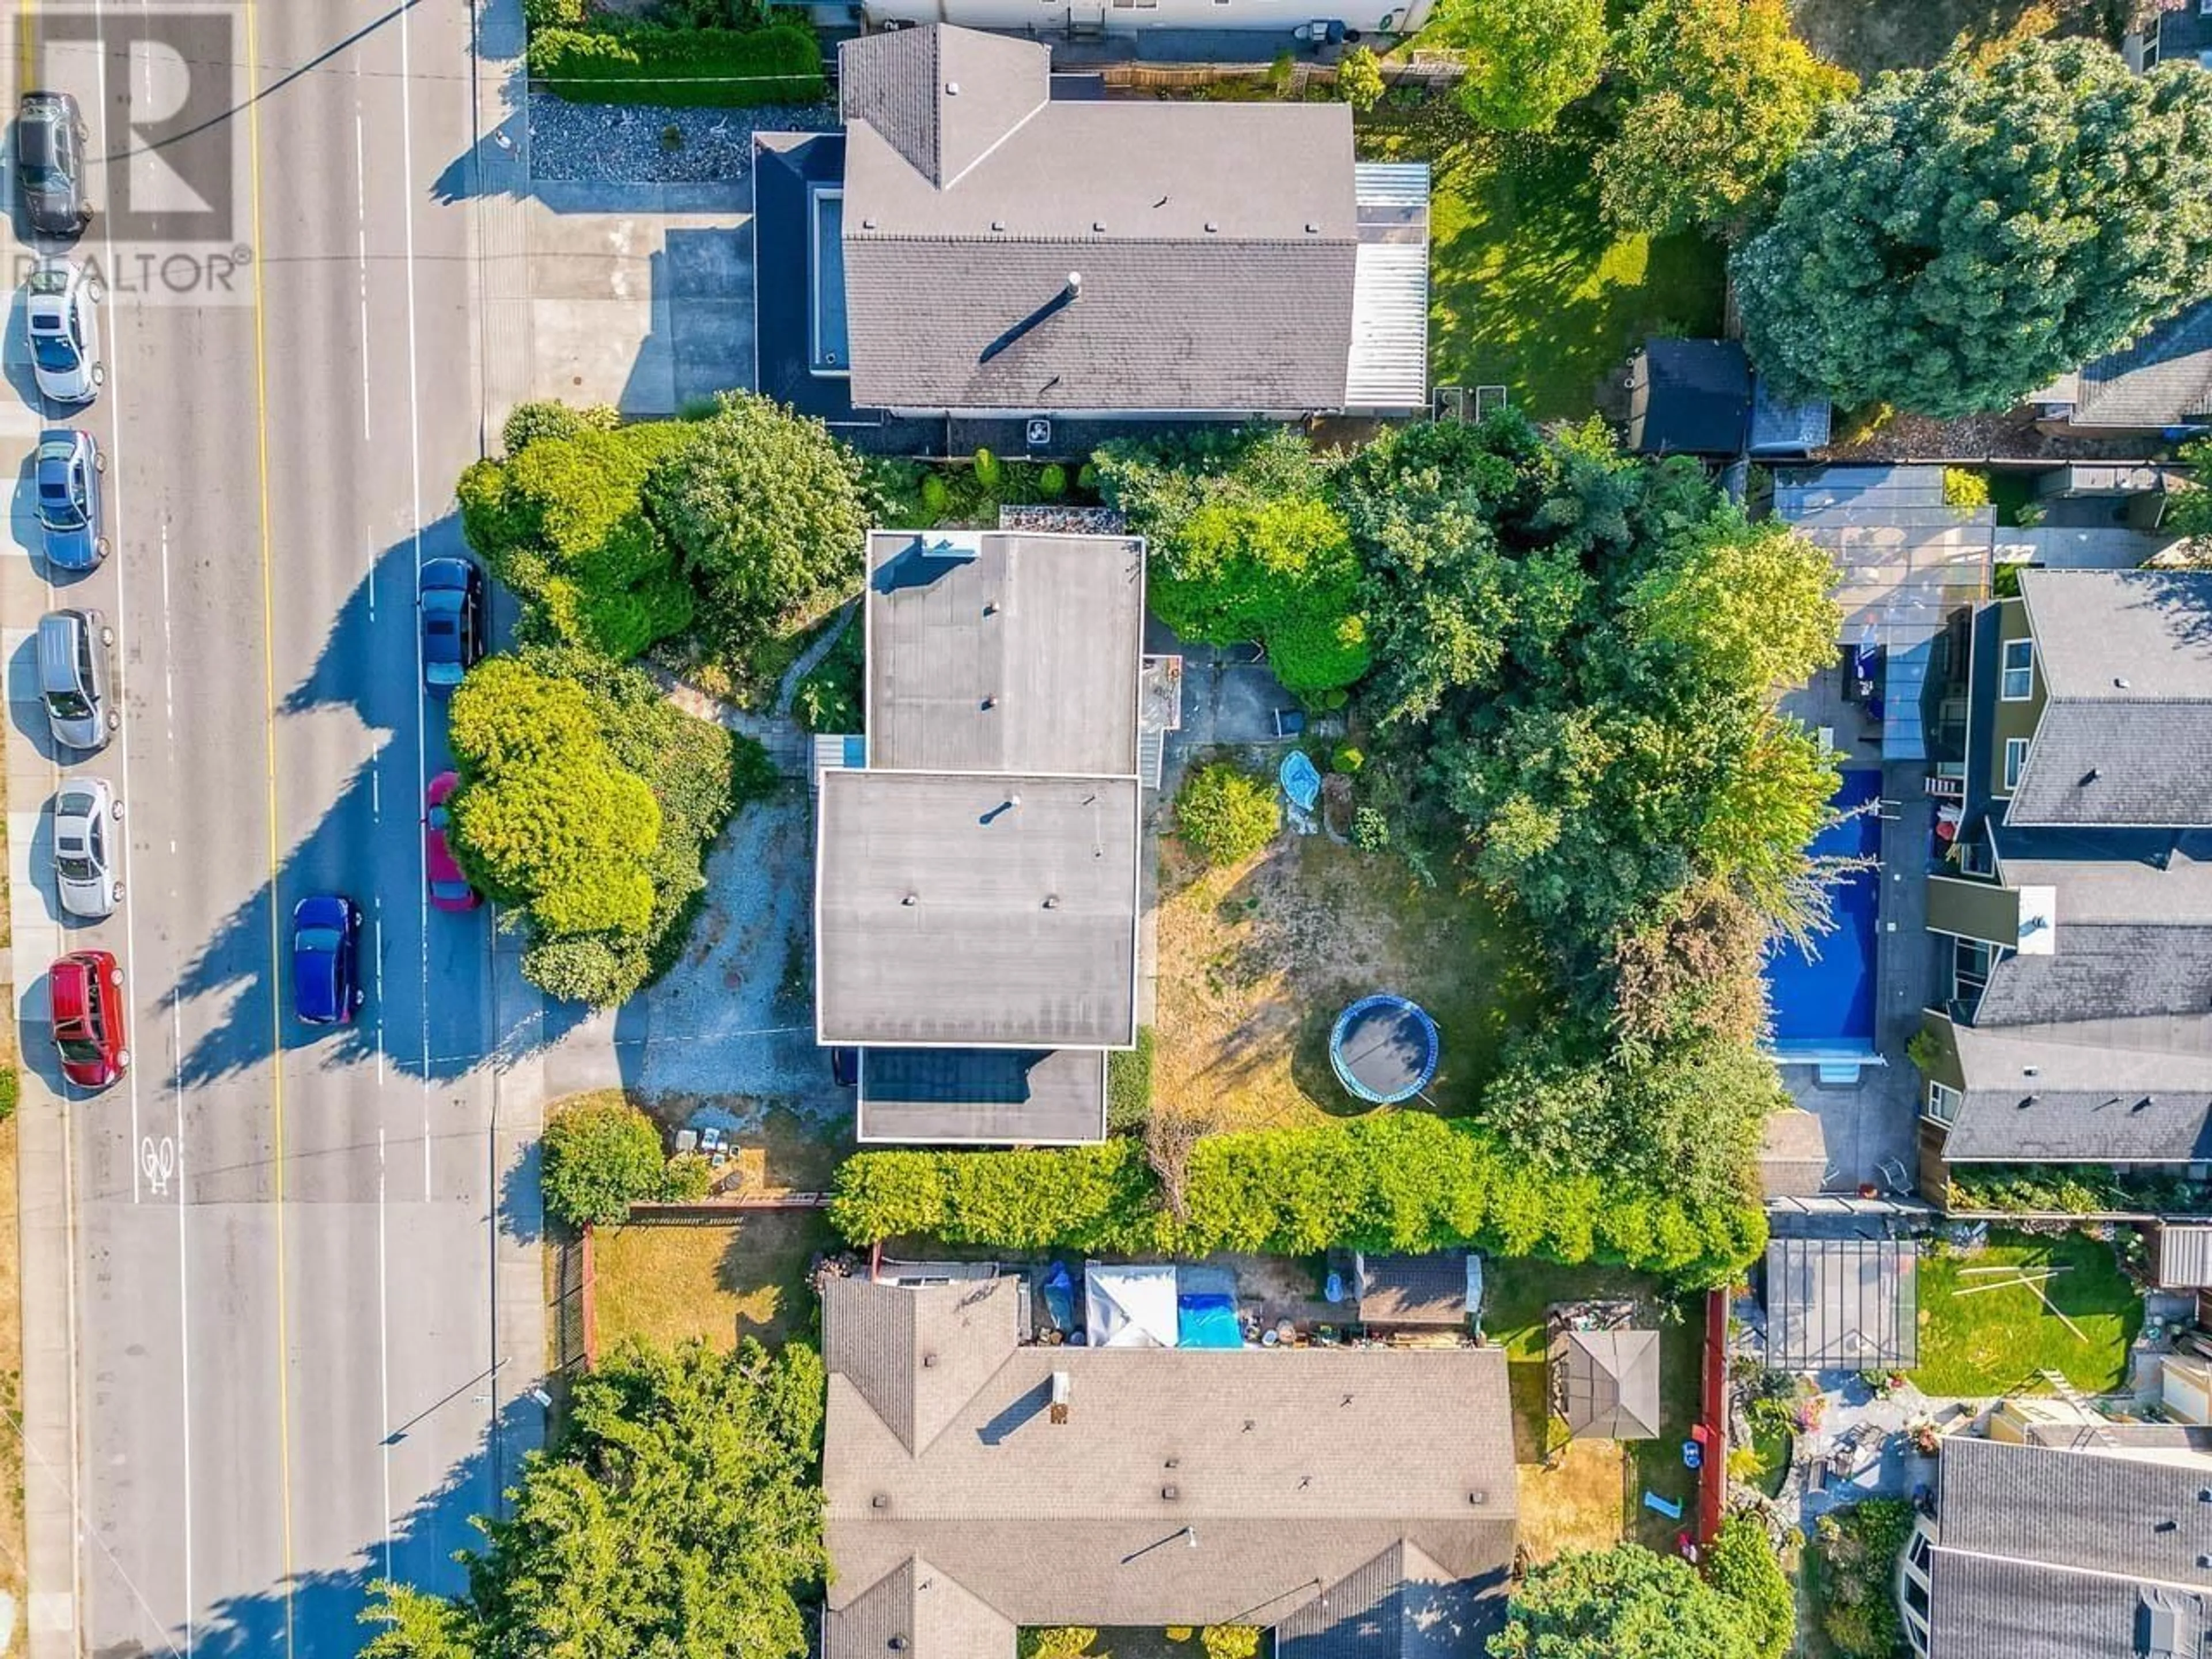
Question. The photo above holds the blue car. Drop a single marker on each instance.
(68, 476)
(452, 621)
(325, 944)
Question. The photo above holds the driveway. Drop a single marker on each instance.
(640, 295)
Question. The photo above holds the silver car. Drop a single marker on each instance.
(85, 852)
(60, 314)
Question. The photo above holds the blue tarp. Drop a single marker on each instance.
(1208, 1320)
(1300, 781)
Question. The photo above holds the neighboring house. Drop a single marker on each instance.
(2159, 386)
(977, 853)
(973, 249)
(1196, 23)
(2104, 1551)
(1358, 1501)
(2178, 32)
(2074, 1019)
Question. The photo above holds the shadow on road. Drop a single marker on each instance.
(320, 1619)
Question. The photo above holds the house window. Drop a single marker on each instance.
(1942, 1103)
(1970, 968)
(2019, 671)
(2015, 762)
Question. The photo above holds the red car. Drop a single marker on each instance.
(84, 990)
(449, 888)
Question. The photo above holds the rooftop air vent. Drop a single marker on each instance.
(911, 899)
(1312, 229)
(1169, 1493)
(1098, 224)
(951, 88)
(998, 224)
(1478, 1497)
(867, 224)
(879, 1502)
(929, 1362)
(1212, 228)
(1051, 901)
(2121, 681)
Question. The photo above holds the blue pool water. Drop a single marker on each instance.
(1823, 1005)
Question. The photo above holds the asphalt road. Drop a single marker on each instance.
(286, 1239)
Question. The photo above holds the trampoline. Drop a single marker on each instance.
(1383, 1049)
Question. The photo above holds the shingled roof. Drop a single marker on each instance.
(2074, 1555)
(2078, 1093)
(994, 261)
(2162, 379)
(1361, 1500)
(2125, 736)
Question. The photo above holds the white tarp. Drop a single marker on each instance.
(1132, 1306)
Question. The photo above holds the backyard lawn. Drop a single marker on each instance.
(1593, 1496)
(1257, 959)
(1530, 289)
(714, 1280)
(1995, 1341)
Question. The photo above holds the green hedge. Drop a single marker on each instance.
(647, 63)
(2074, 1189)
(1391, 1181)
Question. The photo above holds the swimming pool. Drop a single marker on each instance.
(1823, 1004)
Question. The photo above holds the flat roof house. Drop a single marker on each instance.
(2035, 1553)
(2075, 911)
(977, 854)
(972, 246)
(1358, 1501)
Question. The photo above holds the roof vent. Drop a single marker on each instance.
(1051, 901)
(1098, 224)
(911, 899)
(951, 88)
(1312, 229)
(998, 224)
(867, 224)
(1212, 228)
(2093, 775)
(1014, 801)
(929, 1362)
(990, 607)
(2121, 681)
(991, 702)
(1172, 1463)
(1478, 1497)
(1169, 1493)
(879, 1502)
(896, 1644)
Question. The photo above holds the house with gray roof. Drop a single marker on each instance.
(1358, 1501)
(2075, 910)
(973, 247)
(2099, 1552)
(2159, 383)
(977, 852)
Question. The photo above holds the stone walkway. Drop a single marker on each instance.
(788, 746)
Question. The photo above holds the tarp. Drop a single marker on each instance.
(1208, 1320)
(1301, 782)
(1131, 1306)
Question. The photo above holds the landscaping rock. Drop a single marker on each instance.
(625, 142)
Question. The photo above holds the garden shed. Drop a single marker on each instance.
(1441, 1289)
(1843, 1304)
(1606, 1384)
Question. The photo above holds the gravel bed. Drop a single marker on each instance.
(1064, 520)
(623, 143)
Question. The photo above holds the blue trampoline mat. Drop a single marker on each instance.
(1824, 1004)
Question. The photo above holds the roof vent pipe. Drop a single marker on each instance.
(1074, 288)
(951, 88)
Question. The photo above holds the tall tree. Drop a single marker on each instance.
(1626, 1601)
(1721, 94)
(768, 509)
(1956, 238)
(679, 1515)
(1526, 60)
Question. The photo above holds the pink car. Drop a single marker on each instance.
(449, 888)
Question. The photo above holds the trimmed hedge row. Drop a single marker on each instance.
(1391, 1181)
(656, 64)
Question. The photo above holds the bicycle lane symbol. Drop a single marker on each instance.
(158, 1160)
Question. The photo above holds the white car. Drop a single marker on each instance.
(61, 314)
(85, 812)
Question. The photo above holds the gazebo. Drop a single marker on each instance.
(1606, 1384)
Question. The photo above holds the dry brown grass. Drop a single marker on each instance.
(1575, 1501)
(1869, 36)
(1256, 960)
(12, 1541)
(716, 1281)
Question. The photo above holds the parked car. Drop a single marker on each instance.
(72, 653)
(62, 318)
(50, 139)
(85, 853)
(84, 995)
(326, 945)
(449, 888)
(452, 621)
(67, 468)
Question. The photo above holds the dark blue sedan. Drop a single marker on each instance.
(326, 947)
(452, 621)
(68, 474)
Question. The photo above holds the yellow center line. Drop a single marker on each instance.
(268, 720)
(27, 45)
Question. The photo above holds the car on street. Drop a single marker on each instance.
(85, 852)
(61, 316)
(452, 621)
(84, 996)
(449, 888)
(325, 950)
(66, 467)
(73, 672)
(49, 137)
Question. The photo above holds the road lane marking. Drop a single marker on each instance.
(184, 1307)
(275, 854)
(361, 241)
(383, 1348)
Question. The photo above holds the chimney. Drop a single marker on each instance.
(1059, 1393)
